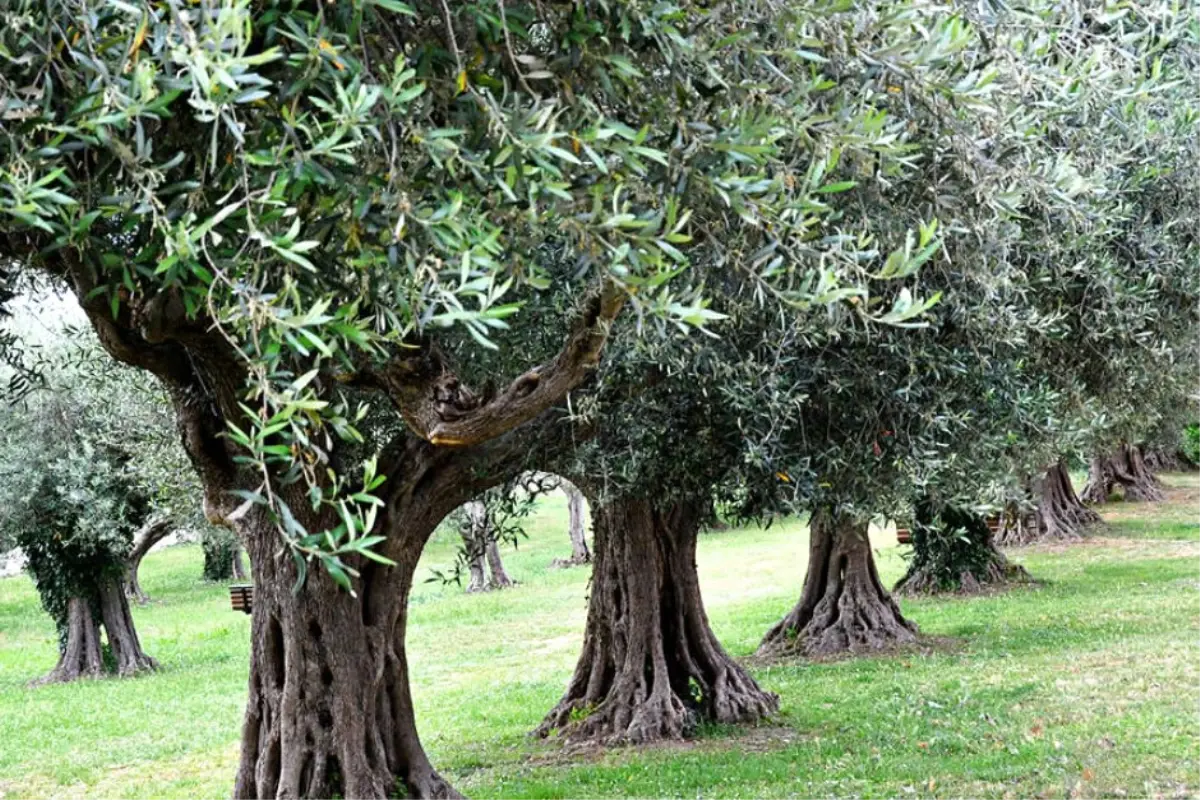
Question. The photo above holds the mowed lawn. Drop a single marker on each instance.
(1088, 685)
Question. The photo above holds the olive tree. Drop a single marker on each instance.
(283, 211)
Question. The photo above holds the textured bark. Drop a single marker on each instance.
(79, 656)
(843, 607)
(122, 635)
(1060, 515)
(576, 528)
(329, 709)
(1139, 482)
(651, 667)
(145, 539)
(955, 552)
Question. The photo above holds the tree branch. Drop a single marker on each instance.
(437, 407)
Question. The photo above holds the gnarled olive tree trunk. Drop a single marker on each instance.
(954, 551)
(651, 666)
(329, 709)
(1059, 516)
(143, 541)
(843, 607)
(576, 528)
(80, 649)
(1126, 468)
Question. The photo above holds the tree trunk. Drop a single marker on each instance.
(239, 569)
(219, 546)
(1100, 482)
(1139, 482)
(955, 551)
(482, 551)
(499, 578)
(843, 607)
(1125, 467)
(1060, 516)
(122, 635)
(651, 666)
(145, 539)
(576, 528)
(329, 709)
(79, 655)
(80, 650)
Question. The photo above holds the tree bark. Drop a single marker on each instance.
(81, 652)
(1128, 468)
(1060, 516)
(122, 635)
(1141, 485)
(145, 539)
(955, 551)
(79, 655)
(576, 528)
(843, 607)
(329, 709)
(651, 666)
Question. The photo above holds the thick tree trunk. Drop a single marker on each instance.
(843, 607)
(651, 666)
(145, 539)
(79, 655)
(122, 635)
(329, 709)
(1060, 516)
(955, 551)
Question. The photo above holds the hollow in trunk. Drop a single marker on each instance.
(651, 667)
(843, 607)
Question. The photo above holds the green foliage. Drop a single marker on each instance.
(1191, 443)
(949, 543)
(220, 548)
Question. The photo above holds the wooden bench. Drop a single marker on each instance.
(241, 597)
(903, 536)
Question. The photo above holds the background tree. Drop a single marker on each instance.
(70, 499)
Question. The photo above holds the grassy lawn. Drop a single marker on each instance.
(1088, 685)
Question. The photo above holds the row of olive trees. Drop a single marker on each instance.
(851, 259)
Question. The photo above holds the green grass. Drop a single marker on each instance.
(1088, 684)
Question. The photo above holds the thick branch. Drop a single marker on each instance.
(440, 409)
